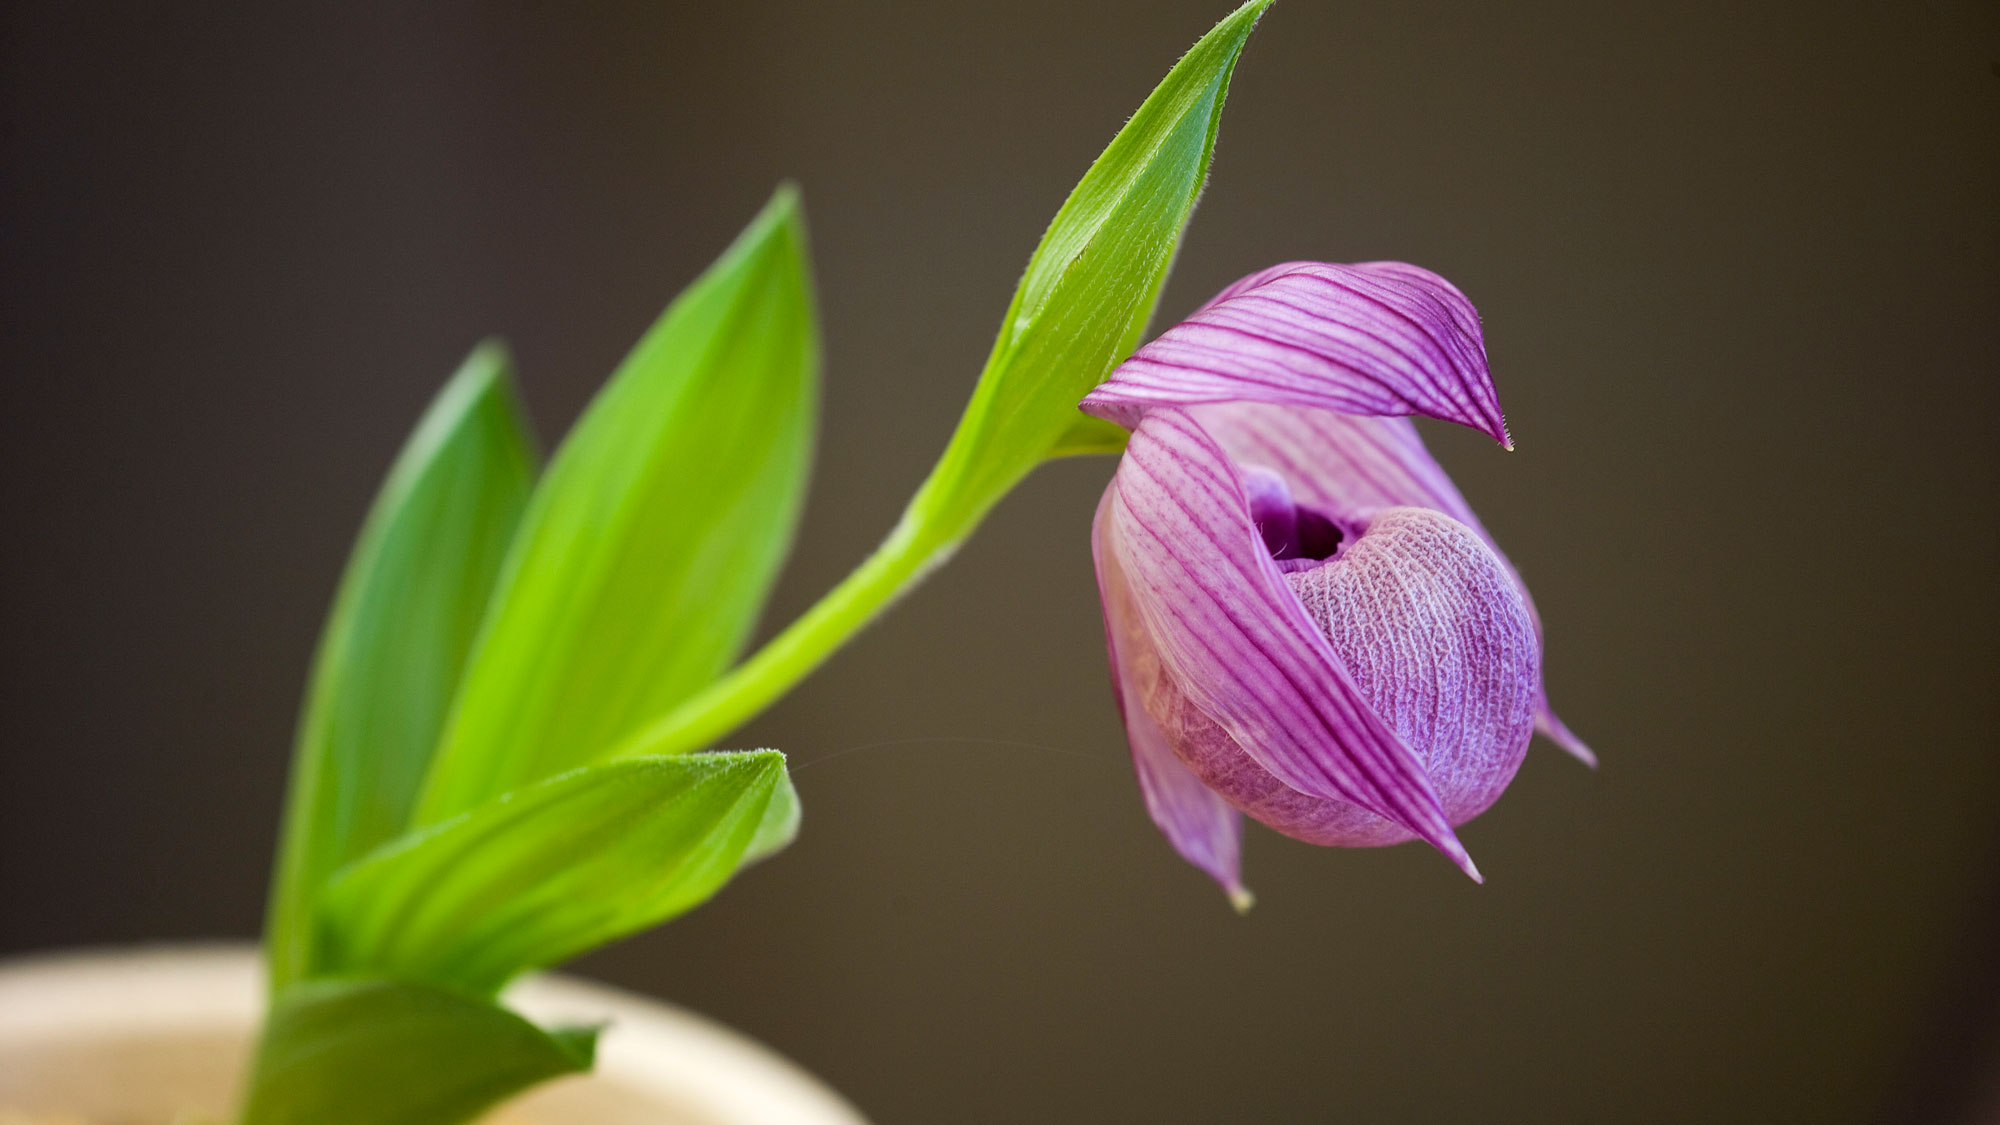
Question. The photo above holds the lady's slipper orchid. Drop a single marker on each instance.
(1306, 622)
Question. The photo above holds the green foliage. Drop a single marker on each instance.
(1090, 288)
(780, 823)
(1080, 309)
(389, 660)
(1089, 435)
(492, 774)
(382, 1052)
(554, 869)
(654, 537)
(491, 635)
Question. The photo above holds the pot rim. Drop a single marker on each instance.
(651, 1047)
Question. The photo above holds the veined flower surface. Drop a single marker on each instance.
(1306, 622)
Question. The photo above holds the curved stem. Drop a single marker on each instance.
(909, 553)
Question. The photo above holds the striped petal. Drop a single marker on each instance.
(1236, 646)
(1201, 826)
(1379, 338)
(1342, 464)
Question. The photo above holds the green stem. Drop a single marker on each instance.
(912, 550)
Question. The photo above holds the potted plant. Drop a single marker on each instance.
(508, 753)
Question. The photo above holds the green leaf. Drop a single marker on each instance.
(389, 660)
(382, 1052)
(652, 542)
(1089, 435)
(1090, 288)
(779, 826)
(555, 869)
(1080, 310)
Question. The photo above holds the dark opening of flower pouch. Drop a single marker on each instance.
(1298, 537)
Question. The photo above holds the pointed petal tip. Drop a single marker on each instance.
(1579, 751)
(1240, 899)
(1553, 729)
(1456, 852)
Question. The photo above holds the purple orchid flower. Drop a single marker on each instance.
(1306, 622)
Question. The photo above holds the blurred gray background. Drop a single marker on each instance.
(1740, 272)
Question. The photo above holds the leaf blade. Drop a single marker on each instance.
(395, 642)
(1055, 343)
(1091, 286)
(648, 550)
(383, 1052)
(556, 868)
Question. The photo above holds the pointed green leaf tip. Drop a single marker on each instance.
(647, 551)
(556, 869)
(1090, 288)
(381, 1052)
(389, 660)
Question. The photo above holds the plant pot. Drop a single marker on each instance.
(160, 1036)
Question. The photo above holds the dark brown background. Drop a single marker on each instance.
(1738, 266)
